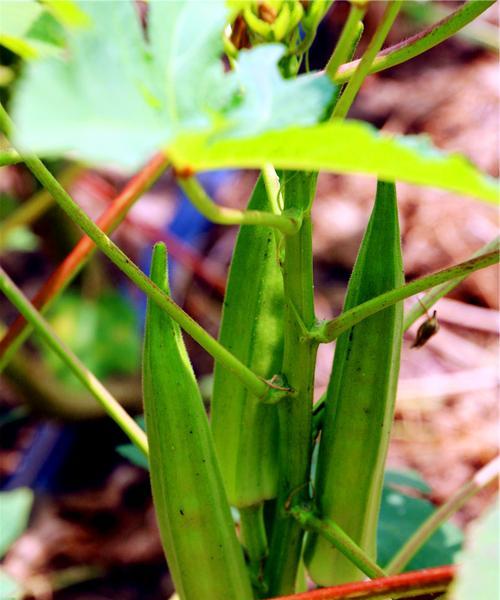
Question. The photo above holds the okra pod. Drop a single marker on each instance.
(360, 401)
(246, 431)
(196, 528)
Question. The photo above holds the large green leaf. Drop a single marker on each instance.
(401, 515)
(478, 574)
(344, 147)
(27, 29)
(102, 332)
(15, 508)
(118, 96)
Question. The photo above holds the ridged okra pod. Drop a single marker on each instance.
(196, 528)
(360, 401)
(246, 431)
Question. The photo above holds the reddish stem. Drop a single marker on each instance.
(422, 581)
(108, 221)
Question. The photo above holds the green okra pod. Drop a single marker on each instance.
(360, 401)
(245, 430)
(197, 531)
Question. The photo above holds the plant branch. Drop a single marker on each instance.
(254, 383)
(481, 479)
(432, 296)
(330, 330)
(421, 42)
(221, 215)
(336, 536)
(406, 585)
(74, 262)
(9, 156)
(350, 34)
(111, 406)
(363, 67)
(37, 205)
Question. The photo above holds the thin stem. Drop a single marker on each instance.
(9, 157)
(432, 296)
(363, 68)
(330, 330)
(411, 584)
(253, 382)
(253, 532)
(338, 538)
(420, 42)
(481, 479)
(272, 185)
(230, 216)
(111, 406)
(37, 205)
(74, 262)
(350, 33)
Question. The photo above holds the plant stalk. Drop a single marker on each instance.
(74, 262)
(330, 330)
(111, 406)
(407, 585)
(432, 296)
(336, 536)
(350, 34)
(295, 415)
(363, 68)
(37, 205)
(221, 215)
(254, 383)
(421, 42)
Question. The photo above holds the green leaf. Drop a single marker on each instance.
(478, 574)
(270, 102)
(28, 30)
(343, 147)
(15, 508)
(103, 333)
(408, 479)
(119, 97)
(401, 515)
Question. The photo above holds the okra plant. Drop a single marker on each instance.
(226, 85)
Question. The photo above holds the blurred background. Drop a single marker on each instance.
(90, 531)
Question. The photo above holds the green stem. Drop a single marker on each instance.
(481, 479)
(9, 157)
(330, 330)
(230, 216)
(299, 355)
(363, 68)
(37, 205)
(421, 42)
(338, 538)
(253, 532)
(349, 36)
(432, 296)
(254, 383)
(95, 387)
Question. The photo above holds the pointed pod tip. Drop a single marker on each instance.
(158, 270)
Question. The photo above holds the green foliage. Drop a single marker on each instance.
(15, 509)
(478, 574)
(103, 333)
(27, 29)
(402, 511)
(151, 91)
(343, 147)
